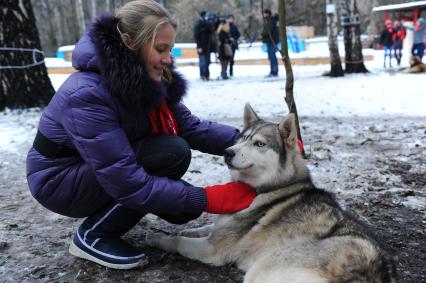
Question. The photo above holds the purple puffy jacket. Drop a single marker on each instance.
(101, 112)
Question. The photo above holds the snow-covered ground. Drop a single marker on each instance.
(381, 92)
(365, 135)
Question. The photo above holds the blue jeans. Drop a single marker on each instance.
(418, 50)
(272, 49)
(388, 53)
(204, 63)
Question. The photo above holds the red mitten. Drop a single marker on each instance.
(228, 198)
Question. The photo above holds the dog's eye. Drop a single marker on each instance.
(259, 144)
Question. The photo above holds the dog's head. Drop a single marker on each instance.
(266, 156)
(414, 61)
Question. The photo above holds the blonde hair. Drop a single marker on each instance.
(223, 26)
(141, 20)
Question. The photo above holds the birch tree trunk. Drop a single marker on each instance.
(93, 8)
(335, 62)
(57, 23)
(80, 17)
(350, 20)
(24, 81)
(289, 97)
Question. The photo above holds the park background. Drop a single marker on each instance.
(364, 134)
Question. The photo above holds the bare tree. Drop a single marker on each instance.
(289, 97)
(93, 9)
(63, 22)
(335, 62)
(350, 20)
(56, 23)
(23, 75)
(189, 12)
(307, 12)
(80, 16)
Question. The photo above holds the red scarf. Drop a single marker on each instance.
(162, 121)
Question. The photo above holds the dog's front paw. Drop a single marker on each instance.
(161, 241)
(199, 232)
(190, 233)
(152, 240)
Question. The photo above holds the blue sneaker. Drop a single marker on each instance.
(98, 239)
(109, 252)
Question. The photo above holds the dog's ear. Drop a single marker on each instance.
(249, 116)
(288, 130)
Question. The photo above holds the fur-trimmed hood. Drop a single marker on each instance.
(102, 50)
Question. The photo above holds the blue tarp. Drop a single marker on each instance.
(294, 44)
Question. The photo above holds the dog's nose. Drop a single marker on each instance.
(228, 154)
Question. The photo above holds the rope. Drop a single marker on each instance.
(34, 51)
(354, 62)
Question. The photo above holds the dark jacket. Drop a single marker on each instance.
(235, 35)
(101, 111)
(224, 37)
(203, 35)
(270, 29)
(386, 37)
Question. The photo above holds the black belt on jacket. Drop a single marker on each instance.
(50, 149)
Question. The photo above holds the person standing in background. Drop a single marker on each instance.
(203, 35)
(387, 42)
(225, 48)
(419, 30)
(398, 37)
(235, 36)
(270, 36)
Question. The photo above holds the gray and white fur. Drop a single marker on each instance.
(293, 231)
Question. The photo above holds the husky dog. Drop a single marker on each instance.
(292, 232)
(416, 65)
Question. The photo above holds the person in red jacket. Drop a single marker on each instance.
(398, 37)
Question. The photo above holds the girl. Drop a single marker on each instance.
(115, 139)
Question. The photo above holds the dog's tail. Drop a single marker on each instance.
(363, 261)
(381, 269)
